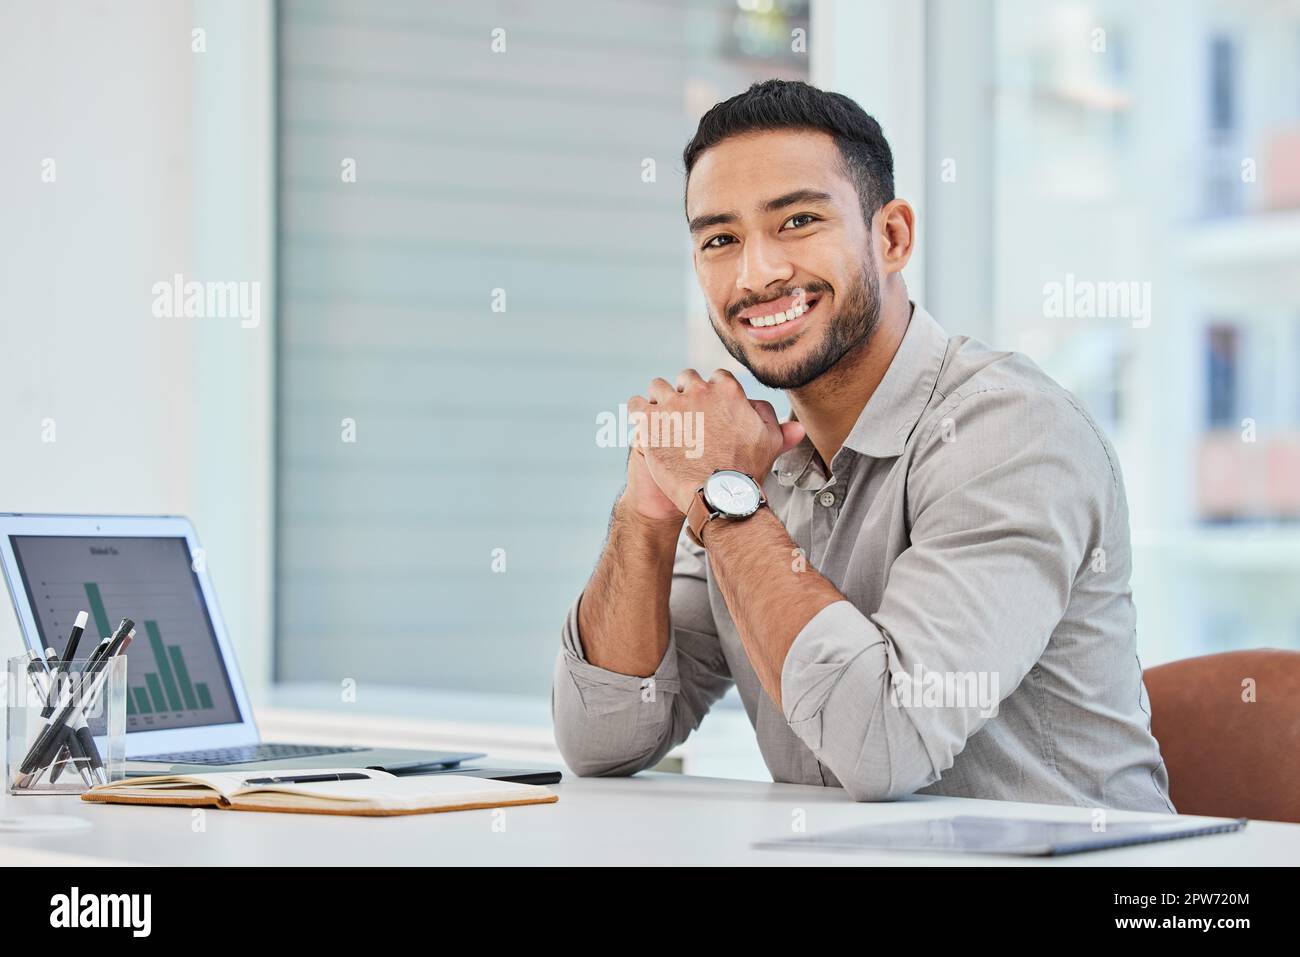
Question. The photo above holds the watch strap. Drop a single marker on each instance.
(697, 516)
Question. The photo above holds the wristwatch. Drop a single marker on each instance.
(726, 493)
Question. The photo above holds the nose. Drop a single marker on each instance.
(762, 263)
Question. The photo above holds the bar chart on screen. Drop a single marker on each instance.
(175, 673)
(168, 686)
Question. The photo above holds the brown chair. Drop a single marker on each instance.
(1228, 756)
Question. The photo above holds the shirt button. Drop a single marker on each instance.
(827, 498)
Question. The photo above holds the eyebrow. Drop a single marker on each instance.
(771, 206)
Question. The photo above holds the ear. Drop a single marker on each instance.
(895, 235)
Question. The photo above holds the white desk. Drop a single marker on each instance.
(649, 819)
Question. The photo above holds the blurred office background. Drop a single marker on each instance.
(466, 219)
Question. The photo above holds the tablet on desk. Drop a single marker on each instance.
(517, 775)
(998, 835)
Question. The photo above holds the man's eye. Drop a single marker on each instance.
(796, 220)
(717, 241)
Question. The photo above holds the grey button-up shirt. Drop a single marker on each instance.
(975, 520)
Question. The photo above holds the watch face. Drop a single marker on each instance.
(734, 494)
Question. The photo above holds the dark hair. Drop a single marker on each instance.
(795, 105)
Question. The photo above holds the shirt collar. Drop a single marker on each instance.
(895, 407)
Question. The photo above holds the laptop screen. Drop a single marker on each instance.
(175, 674)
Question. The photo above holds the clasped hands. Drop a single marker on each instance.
(686, 432)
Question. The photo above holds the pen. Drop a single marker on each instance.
(38, 671)
(308, 779)
(92, 768)
(50, 662)
(95, 763)
(69, 650)
(70, 689)
(57, 673)
(36, 665)
(75, 755)
(43, 680)
(87, 740)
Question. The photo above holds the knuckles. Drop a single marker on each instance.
(721, 389)
(688, 381)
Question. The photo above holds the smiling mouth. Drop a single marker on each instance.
(774, 325)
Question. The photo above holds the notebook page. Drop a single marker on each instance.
(225, 783)
(402, 792)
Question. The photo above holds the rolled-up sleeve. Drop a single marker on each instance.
(608, 723)
(1006, 497)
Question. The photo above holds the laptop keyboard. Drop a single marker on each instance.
(248, 753)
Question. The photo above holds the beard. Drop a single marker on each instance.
(849, 328)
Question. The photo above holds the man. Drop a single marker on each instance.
(934, 595)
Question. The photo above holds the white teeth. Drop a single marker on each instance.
(776, 318)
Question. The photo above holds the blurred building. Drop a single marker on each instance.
(1152, 152)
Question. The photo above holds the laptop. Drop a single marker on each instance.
(187, 707)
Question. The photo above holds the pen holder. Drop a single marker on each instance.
(66, 725)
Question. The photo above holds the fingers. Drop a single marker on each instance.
(766, 413)
(688, 378)
(637, 406)
(661, 390)
(724, 379)
(792, 433)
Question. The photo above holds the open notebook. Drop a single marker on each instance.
(381, 795)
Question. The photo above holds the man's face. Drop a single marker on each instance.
(778, 235)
